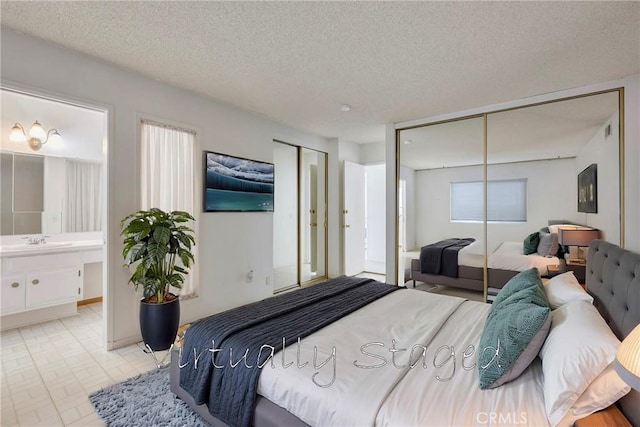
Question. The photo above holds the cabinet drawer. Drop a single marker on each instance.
(12, 293)
(52, 287)
(41, 262)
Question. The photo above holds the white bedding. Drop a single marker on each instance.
(509, 256)
(472, 255)
(392, 395)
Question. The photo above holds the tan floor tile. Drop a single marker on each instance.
(92, 420)
(51, 368)
(8, 417)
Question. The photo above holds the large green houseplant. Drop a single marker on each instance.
(154, 242)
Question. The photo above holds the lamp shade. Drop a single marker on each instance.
(577, 236)
(37, 131)
(55, 137)
(627, 363)
(17, 134)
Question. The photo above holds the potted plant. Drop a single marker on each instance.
(158, 245)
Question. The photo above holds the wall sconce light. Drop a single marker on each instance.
(35, 137)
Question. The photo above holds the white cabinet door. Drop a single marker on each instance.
(12, 294)
(53, 287)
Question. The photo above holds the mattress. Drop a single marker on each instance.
(509, 256)
(472, 255)
(358, 371)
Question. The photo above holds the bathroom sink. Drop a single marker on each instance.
(41, 246)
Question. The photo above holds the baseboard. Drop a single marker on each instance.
(89, 301)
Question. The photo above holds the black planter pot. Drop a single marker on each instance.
(159, 323)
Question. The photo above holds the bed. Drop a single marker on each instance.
(364, 383)
(504, 262)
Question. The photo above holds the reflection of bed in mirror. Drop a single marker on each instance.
(504, 262)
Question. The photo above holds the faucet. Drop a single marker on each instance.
(36, 240)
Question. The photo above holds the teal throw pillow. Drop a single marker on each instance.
(520, 281)
(531, 243)
(515, 330)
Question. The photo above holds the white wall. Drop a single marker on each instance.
(229, 243)
(603, 152)
(375, 220)
(372, 153)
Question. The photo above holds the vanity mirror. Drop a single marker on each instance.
(49, 195)
(59, 189)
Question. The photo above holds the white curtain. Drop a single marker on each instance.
(167, 181)
(84, 196)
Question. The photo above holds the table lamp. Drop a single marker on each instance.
(627, 362)
(576, 238)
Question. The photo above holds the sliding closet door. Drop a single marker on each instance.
(313, 210)
(441, 196)
(285, 217)
(535, 156)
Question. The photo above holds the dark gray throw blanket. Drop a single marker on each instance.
(442, 257)
(230, 393)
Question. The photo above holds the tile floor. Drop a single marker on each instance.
(49, 370)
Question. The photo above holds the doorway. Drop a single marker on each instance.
(69, 185)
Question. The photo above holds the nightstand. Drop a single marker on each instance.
(554, 270)
(610, 417)
(579, 270)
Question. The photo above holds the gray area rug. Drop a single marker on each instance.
(144, 400)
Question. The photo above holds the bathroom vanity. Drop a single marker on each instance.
(44, 281)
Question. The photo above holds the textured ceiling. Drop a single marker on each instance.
(559, 129)
(296, 62)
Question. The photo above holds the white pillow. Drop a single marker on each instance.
(578, 349)
(565, 288)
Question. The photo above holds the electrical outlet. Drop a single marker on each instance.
(250, 276)
(267, 280)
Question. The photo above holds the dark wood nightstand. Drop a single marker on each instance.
(579, 270)
(610, 417)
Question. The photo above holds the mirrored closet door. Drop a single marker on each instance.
(313, 212)
(550, 170)
(536, 159)
(285, 217)
(441, 191)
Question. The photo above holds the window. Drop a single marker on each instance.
(506, 201)
(167, 176)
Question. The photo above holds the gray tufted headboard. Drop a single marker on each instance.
(613, 279)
